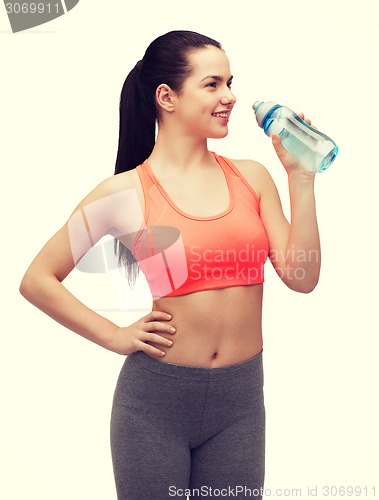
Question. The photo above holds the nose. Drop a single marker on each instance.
(228, 98)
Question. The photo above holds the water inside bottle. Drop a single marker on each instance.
(309, 158)
(304, 143)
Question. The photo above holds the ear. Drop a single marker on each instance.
(164, 96)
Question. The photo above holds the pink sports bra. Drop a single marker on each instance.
(180, 253)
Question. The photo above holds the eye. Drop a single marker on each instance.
(215, 83)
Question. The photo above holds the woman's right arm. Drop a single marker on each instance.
(42, 282)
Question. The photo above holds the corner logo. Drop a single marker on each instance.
(25, 15)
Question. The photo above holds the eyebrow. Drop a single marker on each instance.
(218, 78)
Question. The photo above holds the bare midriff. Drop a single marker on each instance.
(214, 328)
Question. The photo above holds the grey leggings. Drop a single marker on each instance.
(178, 430)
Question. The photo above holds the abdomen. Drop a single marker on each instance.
(213, 327)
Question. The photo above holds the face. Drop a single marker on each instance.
(204, 105)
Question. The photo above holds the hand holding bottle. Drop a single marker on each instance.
(306, 147)
(289, 161)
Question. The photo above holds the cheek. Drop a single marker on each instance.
(199, 111)
(207, 107)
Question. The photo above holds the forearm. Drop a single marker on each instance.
(303, 253)
(52, 297)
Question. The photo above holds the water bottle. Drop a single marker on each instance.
(315, 150)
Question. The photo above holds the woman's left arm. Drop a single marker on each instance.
(294, 248)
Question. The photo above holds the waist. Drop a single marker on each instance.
(240, 369)
(214, 328)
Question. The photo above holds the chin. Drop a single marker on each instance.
(220, 135)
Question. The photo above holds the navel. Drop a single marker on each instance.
(214, 355)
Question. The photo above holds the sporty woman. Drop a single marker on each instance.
(188, 413)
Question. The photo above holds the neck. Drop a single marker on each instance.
(176, 150)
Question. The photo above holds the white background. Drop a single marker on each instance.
(60, 89)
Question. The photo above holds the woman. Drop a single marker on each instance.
(188, 413)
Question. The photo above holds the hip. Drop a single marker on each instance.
(145, 380)
(187, 401)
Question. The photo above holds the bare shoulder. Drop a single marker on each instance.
(112, 207)
(112, 192)
(111, 185)
(255, 173)
(116, 183)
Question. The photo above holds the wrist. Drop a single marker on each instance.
(302, 176)
(111, 342)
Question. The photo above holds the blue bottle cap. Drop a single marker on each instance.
(261, 109)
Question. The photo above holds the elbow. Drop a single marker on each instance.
(26, 286)
(35, 286)
(304, 282)
(30, 286)
(306, 288)
(304, 285)
(302, 279)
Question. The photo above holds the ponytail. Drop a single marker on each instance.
(165, 61)
(137, 122)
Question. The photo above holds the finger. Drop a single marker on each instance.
(157, 339)
(157, 315)
(157, 326)
(149, 349)
(301, 115)
(307, 120)
(146, 341)
(276, 142)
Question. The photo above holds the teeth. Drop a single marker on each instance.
(221, 115)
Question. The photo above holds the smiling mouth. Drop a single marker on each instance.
(221, 115)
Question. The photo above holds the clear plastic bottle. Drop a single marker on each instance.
(315, 150)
